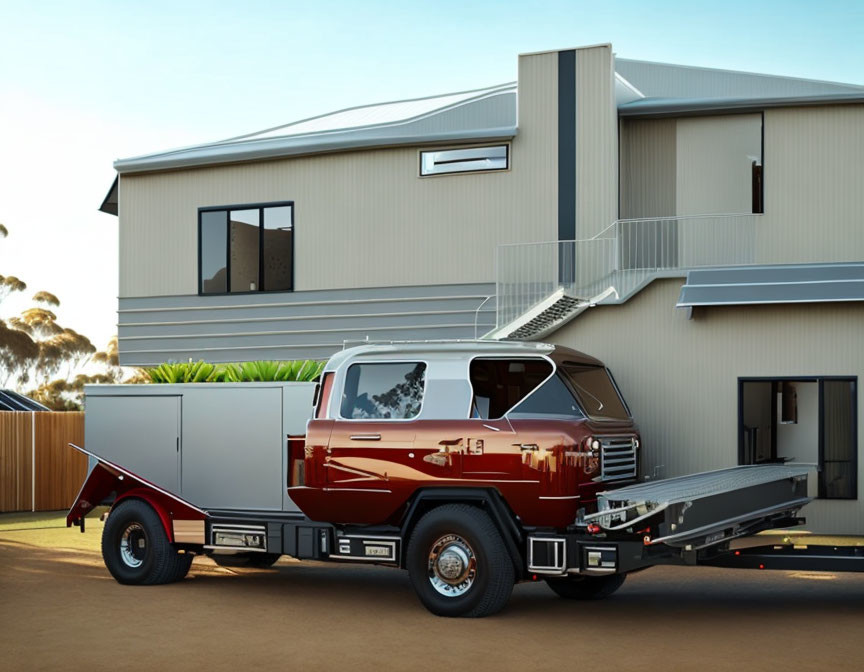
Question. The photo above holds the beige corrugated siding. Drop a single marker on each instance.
(714, 172)
(680, 376)
(596, 141)
(648, 168)
(814, 172)
(362, 219)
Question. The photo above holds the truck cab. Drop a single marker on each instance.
(544, 426)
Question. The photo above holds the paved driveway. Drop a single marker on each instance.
(60, 609)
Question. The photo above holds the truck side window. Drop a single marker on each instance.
(500, 384)
(551, 400)
(385, 391)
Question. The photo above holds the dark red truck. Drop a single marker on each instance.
(473, 465)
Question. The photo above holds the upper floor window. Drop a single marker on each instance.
(246, 248)
(468, 160)
(383, 391)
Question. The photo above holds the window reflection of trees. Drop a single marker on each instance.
(401, 401)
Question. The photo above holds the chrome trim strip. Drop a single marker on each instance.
(357, 472)
(388, 492)
(242, 549)
(560, 566)
(387, 542)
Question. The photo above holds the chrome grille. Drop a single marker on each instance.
(618, 458)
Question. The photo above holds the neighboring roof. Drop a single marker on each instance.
(642, 88)
(803, 283)
(12, 401)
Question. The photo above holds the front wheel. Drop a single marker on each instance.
(136, 549)
(586, 587)
(458, 563)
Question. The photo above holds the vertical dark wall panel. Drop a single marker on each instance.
(566, 145)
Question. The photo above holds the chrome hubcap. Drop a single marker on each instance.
(452, 566)
(133, 545)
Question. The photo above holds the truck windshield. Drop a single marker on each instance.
(595, 391)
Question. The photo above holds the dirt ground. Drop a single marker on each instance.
(61, 610)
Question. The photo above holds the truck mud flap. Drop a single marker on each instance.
(706, 509)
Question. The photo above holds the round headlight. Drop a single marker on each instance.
(595, 445)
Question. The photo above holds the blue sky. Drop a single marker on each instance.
(84, 83)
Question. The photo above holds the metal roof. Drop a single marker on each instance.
(12, 401)
(482, 114)
(802, 283)
(665, 80)
(642, 88)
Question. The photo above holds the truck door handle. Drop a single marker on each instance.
(365, 437)
(527, 447)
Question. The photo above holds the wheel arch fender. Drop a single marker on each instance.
(488, 499)
(108, 479)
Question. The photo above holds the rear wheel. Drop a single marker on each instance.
(587, 587)
(136, 549)
(458, 563)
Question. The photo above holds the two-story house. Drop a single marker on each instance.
(699, 230)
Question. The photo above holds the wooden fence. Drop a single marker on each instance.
(38, 469)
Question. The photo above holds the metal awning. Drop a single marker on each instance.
(802, 283)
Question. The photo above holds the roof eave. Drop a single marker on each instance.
(674, 107)
(277, 148)
(110, 202)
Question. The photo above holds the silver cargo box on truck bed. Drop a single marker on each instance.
(213, 444)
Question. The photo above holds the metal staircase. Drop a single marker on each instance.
(542, 286)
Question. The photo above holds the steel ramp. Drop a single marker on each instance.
(704, 509)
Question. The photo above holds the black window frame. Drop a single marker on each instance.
(247, 206)
(820, 381)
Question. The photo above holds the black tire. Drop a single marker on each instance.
(136, 549)
(587, 587)
(255, 560)
(443, 540)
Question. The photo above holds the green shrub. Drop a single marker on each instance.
(302, 370)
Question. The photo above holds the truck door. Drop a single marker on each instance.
(498, 450)
(491, 452)
(373, 433)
